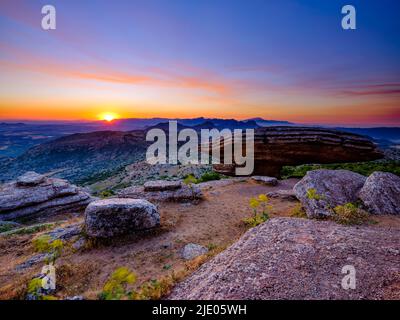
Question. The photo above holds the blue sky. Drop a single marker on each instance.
(226, 58)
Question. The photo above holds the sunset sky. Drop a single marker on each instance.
(277, 59)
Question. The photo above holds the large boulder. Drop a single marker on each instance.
(321, 190)
(275, 147)
(34, 194)
(288, 258)
(381, 193)
(115, 217)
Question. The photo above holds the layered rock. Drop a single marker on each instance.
(322, 190)
(115, 217)
(268, 181)
(275, 147)
(34, 194)
(287, 258)
(160, 191)
(381, 193)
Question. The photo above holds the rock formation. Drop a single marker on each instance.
(287, 258)
(275, 147)
(34, 194)
(268, 181)
(381, 193)
(115, 217)
(161, 190)
(193, 250)
(322, 190)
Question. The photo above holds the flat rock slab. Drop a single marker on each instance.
(162, 185)
(30, 179)
(268, 181)
(183, 194)
(288, 258)
(288, 195)
(381, 193)
(115, 217)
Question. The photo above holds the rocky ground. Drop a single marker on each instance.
(299, 257)
(287, 258)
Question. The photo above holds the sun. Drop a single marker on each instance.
(108, 116)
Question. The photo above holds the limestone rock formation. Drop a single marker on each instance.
(193, 250)
(268, 181)
(288, 258)
(115, 217)
(162, 185)
(34, 194)
(381, 193)
(321, 190)
(275, 147)
(168, 191)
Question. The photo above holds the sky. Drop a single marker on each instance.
(276, 59)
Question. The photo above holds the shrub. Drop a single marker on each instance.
(313, 195)
(298, 212)
(116, 287)
(261, 202)
(350, 214)
(44, 244)
(209, 176)
(106, 194)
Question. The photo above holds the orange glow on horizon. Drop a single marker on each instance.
(108, 116)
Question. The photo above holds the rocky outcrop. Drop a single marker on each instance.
(381, 193)
(287, 258)
(34, 194)
(322, 190)
(162, 185)
(115, 217)
(163, 191)
(268, 181)
(288, 195)
(193, 250)
(275, 147)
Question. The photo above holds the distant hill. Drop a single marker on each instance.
(266, 123)
(79, 157)
(384, 133)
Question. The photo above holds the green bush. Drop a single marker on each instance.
(364, 168)
(116, 287)
(259, 216)
(209, 176)
(350, 214)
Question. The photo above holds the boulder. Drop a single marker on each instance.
(115, 217)
(34, 194)
(268, 181)
(322, 190)
(192, 250)
(162, 185)
(381, 193)
(275, 147)
(288, 258)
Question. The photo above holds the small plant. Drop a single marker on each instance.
(36, 291)
(313, 195)
(116, 287)
(189, 181)
(106, 194)
(261, 202)
(155, 289)
(350, 214)
(44, 244)
(298, 212)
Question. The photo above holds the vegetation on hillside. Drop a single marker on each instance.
(364, 168)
